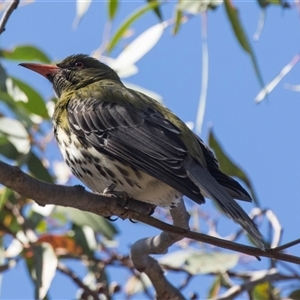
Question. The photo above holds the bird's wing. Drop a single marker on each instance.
(140, 138)
(234, 189)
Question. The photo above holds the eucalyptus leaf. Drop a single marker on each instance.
(215, 262)
(44, 268)
(7, 149)
(140, 46)
(37, 169)
(3, 78)
(215, 288)
(228, 166)
(178, 20)
(196, 7)
(112, 8)
(157, 10)
(16, 133)
(25, 53)
(35, 103)
(200, 262)
(17, 109)
(295, 295)
(128, 22)
(7, 218)
(82, 239)
(81, 9)
(175, 259)
(263, 291)
(240, 34)
(81, 218)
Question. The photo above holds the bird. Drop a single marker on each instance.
(113, 136)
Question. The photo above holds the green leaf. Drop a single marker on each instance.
(5, 193)
(175, 259)
(237, 27)
(81, 218)
(215, 288)
(19, 111)
(35, 103)
(200, 262)
(228, 166)
(43, 269)
(25, 53)
(9, 220)
(157, 10)
(205, 263)
(262, 291)
(82, 239)
(34, 219)
(128, 22)
(16, 133)
(3, 78)
(112, 8)
(178, 20)
(265, 3)
(192, 7)
(37, 169)
(7, 149)
(197, 7)
(295, 295)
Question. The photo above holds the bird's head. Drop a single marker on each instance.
(74, 72)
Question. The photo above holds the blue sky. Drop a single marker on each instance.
(263, 139)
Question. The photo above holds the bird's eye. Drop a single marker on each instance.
(79, 64)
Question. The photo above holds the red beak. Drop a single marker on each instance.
(41, 69)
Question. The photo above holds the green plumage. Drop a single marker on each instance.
(109, 134)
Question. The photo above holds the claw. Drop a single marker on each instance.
(110, 218)
(109, 189)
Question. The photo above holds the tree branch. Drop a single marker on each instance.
(62, 268)
(107, 205)
(143, 262)
(256, 278)
(13, 5)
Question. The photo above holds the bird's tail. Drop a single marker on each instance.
(203, 179)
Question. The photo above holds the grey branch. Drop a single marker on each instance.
(256, 278)
(13, 5)
(62, 268)
(107, 205)
(160, 244)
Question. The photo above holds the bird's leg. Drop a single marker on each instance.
(110, 190)
(138, 206)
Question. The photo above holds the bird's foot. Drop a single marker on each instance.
(110, 190)
(138, 206)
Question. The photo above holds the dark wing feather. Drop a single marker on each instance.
(234, 189)
(143, 139)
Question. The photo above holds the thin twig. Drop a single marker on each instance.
(257, 277)
(62, 268)
(287, 245)
(13, 5)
